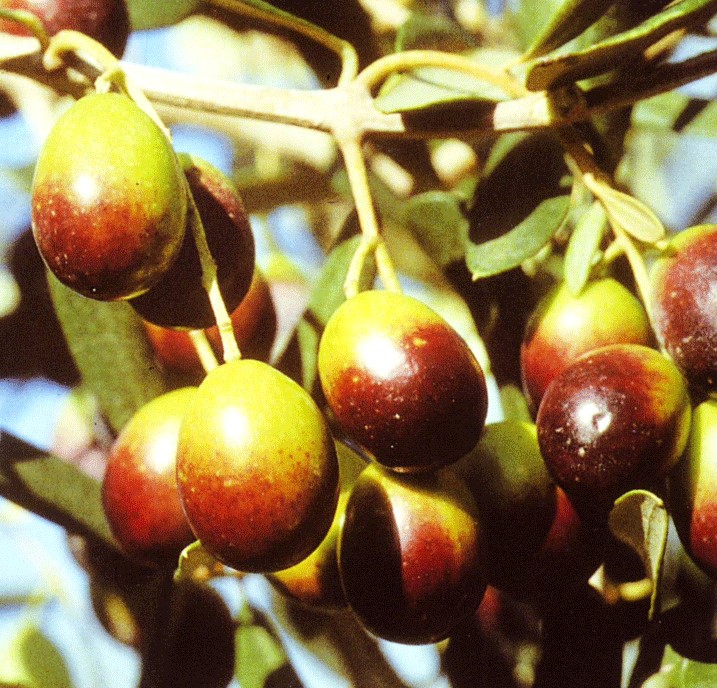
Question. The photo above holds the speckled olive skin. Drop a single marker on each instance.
(254, 322)
(179, 299)
(106, 21)
(693, 490)
(409, 554)
(108, 200)
(564, 326)
(401, 382)
(256, 467)
(616, 419)
(683, 283)
(139, 490)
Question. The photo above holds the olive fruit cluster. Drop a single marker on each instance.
(120, 221)
(403, 386)
(613, 413)
(246, 460)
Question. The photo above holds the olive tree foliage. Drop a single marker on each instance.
(478, 157)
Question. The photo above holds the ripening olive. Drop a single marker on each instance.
(401, 381)
(108, 199)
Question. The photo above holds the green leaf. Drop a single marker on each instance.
(439, 224)
(328, 291)
(659, 112)
(152, 15)
(503, 145)
(569, 19)
(31, 660)
(532, 18)
(523, 241)
(626, 211)
(53, 489)
(197, 565)
(326, 296)
(604, 55)
(435, 87)
(582, 247)
(258, 655)
(640, 520)
(435, 32)
(515, 405)
(308, 336)
(109, 346)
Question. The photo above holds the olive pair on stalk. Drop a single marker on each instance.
(110, 215)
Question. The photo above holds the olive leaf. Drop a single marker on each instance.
(197, 565)
(602, 56)
(31, 660)
(582, 247)
(258, 651)
(437, 221)
(569, 19)
(435, 87)
(626, 212)
(153, 15)
(640, 520)
(328, 291)
(53, 489)
(523, 241)
(111, 351)
(432, 31)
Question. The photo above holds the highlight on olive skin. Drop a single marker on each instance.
(139, 490)
(401, 382)
(682, 281)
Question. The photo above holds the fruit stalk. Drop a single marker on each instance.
(358, 179)
(210, 282)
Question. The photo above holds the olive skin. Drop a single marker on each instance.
(111, 221)
(565, 326)
(139, 490)
(179, 299)
(531, 534)
(107, 21)
(409, 554)
(256, 467)
(617, 419)
(682, 285)
(693, 490)
(401, 382)
(253, 320)
(315, 581)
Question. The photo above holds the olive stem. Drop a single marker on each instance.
(591, 175)
(204, 350)
(30, 21)
(210, 282)
(383, 67)
(272, 15)
(372, 240)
